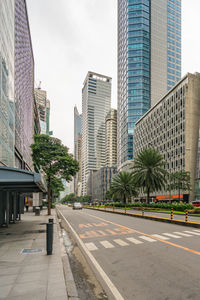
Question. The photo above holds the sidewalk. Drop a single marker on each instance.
(31, 276)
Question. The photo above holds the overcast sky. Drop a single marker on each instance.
(72, 37)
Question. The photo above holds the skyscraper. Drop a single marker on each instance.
(149, 62)
(111, 138)
(44, 109)
(24, 88)
(7, 117)
(96, 101)
(77, 149)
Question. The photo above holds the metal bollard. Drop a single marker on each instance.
(143, 211)
(49, 238)
(125, 209)
(171, 213)
(186, 216)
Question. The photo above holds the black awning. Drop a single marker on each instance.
(19, 180)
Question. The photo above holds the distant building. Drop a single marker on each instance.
(24, 88)
(149, 62)
(101, 182)
(77, 149)
(7, 108)
(172, 126)
(43, 105)
(111, 138)
(96, 100)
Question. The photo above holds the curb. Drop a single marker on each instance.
(153, 218)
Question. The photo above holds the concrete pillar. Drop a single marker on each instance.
(7, 216)
(14, 207)
(1, 209)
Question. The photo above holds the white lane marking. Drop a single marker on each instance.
(183, 234)
(120, 242)
(104, 276)
(161, 236)
(107, 244)
(192, 232)
(134, 241)
(197, 230)
(172, 235)
(146, 238)
(91, 246)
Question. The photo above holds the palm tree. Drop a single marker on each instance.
(122, 186)
(180, 181)
(148, 171)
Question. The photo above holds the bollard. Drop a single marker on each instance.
(125, 209)
(49, 238)
(186, 215)
(143, 211)
(171, 213)
(37, 211)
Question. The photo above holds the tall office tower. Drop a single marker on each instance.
(149, 62)
(7, 118)
(96, 101)
(77, 149)
(44, 109)
(111, 138)
(24, 88)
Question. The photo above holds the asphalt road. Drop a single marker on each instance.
(142, 259)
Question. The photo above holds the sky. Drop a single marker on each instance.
(72, 37)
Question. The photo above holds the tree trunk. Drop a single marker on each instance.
(148, 192)
(49, 198)
(124, 199)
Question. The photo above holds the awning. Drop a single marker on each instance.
(19, 180)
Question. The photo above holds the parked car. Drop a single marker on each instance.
(196, 203)
(77, 205)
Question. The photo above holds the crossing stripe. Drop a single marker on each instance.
(197, 230)
(161, 236)
(192, 232)
(172, 235)
(91, 246)
(106, 244)
(148, 239)
(120, 242)
(134, 241)
(183, 234)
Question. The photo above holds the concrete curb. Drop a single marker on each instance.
(69, 278)
(154, 218)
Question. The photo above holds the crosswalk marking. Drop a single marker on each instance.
(192, 232)
(182, 233)
(197, 230)
(161, 236)
(120, 242)
(134, 241)
(172, 235)
(91, 246)
(106, 244)
(148, 239)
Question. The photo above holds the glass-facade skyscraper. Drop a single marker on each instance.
(149, 62)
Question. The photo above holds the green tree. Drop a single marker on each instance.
(180, 181)
(108, 195)
(123, 186)
(148, 171)
(53, 158)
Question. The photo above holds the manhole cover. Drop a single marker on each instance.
(31, 251)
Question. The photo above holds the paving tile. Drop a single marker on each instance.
(4, 290)
(7, 280)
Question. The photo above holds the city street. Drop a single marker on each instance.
(138, 258)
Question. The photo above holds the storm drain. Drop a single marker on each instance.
(31, 251)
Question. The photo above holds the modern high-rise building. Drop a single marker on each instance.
(7, 109)
(172, 126)
(43, 105)
(96, 101)
(111, 138)
(149, 62)
(77, 149)
(24, 88)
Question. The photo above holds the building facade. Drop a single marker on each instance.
(77, 149)
(173, 127)
(24, 88)
(111, 138)
(96, 101)
(149, 62)
(7, 106)
(43, 105)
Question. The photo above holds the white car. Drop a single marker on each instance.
(77, 205)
